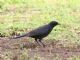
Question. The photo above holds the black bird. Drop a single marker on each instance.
(39, 33)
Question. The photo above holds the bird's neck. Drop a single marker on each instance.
(52, 26)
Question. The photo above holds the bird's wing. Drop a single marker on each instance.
(39, 31)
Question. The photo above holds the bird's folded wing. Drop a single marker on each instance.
(39, 31)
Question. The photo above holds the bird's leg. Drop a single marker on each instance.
(41, 43)
(37, 41)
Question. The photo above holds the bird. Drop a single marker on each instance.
(39, 33)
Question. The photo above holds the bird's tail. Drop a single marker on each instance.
(20, 36)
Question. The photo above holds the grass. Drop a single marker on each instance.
(24, 15)
(21, 15)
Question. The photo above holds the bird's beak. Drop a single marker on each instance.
(59, 24)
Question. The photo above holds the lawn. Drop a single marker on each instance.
(21, 16)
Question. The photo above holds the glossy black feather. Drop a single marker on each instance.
(40, 32)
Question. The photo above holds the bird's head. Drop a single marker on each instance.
(54, 23)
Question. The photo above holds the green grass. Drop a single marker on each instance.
(21, 15)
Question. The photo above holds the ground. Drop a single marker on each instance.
(21, 16)
(22, 49)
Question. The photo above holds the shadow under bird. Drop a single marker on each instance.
(39, 33)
